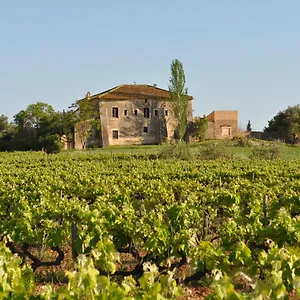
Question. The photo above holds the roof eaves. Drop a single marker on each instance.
(103, 94)
(100, 95)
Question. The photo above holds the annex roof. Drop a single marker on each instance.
(222, 115)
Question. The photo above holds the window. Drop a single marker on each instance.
(166, 113)
(125, 112)
(145, 129)
(146, 112)
(135, 112)
(155, 112)
(115, 134)
(115, 112)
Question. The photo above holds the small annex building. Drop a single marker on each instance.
(222, 124)
(133, 114)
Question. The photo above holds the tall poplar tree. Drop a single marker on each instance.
(179, 98)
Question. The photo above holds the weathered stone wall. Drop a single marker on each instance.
(222, 124)
(131, 122)
(210, 130)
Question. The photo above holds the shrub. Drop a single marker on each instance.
(266, 152)
(240, 141)
(93, 145)
(200, 128)
(51, 143)
(215, 151)
(178, 150)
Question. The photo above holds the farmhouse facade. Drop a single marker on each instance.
(132, 114)
(222, 124)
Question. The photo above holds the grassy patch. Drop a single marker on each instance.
(288, 152)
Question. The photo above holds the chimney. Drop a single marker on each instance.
(88, 95)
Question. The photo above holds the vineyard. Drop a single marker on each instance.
(96, 226)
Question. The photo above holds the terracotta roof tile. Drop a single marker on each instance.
(130, 91)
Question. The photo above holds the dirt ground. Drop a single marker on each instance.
(196, 293)
(55, 275)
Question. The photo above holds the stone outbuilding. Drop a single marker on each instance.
(222, 124)
(132, 114)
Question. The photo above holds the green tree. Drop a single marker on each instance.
(87, 113)
(7, 132)
(52, 129)
(179, 98)
(34, 115)
(61, 123)
(249, 126)
(39, 126)
(200, 128)
(4, 124)
(35, 128)
(286, 124)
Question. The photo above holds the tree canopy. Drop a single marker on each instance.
(200, 128)
(34, 115)
(87, 114)
(38, 127)
(286, 124)
(4, 124)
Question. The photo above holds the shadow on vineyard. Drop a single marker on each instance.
(91, 225)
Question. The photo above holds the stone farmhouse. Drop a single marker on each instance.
(133, 114)
(222, 124)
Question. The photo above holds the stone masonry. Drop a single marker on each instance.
(133, 114)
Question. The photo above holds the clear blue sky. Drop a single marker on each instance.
(241, 55)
